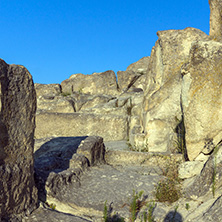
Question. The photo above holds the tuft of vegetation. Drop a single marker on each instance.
(52, 206)
(65, 94)
(108, 217)
(187, 206)
(136, 204)
(168, 189)
(147, 215)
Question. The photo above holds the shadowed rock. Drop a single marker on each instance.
(17, 122)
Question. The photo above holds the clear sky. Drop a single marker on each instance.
(54, 39)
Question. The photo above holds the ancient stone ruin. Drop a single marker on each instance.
(98, 137)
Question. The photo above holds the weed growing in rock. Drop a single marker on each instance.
(52, 206)
(147, 215)
(187, 206)
(136, 204)
(105, 212)
(175, 212)
(65, 94)
(143, 147)
(168, 189)
(108, 217)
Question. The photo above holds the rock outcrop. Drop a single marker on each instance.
(60, 163)
(97, 83)
(216, 19)
(162, 101)
(18, 194)
(201, 97)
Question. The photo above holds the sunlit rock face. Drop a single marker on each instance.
(216, 19)
(202, 98)
(162, 98)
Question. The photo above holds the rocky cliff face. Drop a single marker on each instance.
(17, 122)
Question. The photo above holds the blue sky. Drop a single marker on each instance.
(54, 39)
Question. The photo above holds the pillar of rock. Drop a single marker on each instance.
(216, 19)
(18, 193)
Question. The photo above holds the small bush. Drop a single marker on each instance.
(167, 191)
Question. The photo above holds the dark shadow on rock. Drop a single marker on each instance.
(53, 158)
(173, 216)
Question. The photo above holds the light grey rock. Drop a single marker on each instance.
(110, 127)
(209, 178)
(47, 90)
(201, 97)
(140, 66)
(190, 168)
(96, 84)
(162, 104)
(130, 81)
(56, 104)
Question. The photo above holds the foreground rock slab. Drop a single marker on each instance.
(18, 194)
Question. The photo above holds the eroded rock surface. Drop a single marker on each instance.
(18, 194)
(162, 100)
(97, 83)
(201, 98)
(216, 19)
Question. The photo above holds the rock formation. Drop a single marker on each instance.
(201, 97)
(167, 103)
(216, 19)
(162, 101)
(18, 194)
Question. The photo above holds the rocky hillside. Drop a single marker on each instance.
(90, 128)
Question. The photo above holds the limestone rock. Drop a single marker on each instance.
(97, 83)
(216, 19)
(56, 104)
(201, 97)
(60, 162)
(162, 104)
(211, 173)
(86, 101)
(189, 169)
(213, 213)
(93, 149)
(18, 194)
(110, 127)
(47, 90)
(140, 66)
(131, 81)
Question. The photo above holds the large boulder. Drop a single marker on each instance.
(216, 19)
(97, 83)
(162, 103)
(202, 98)
(18, 194)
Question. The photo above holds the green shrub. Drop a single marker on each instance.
(167, 191)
